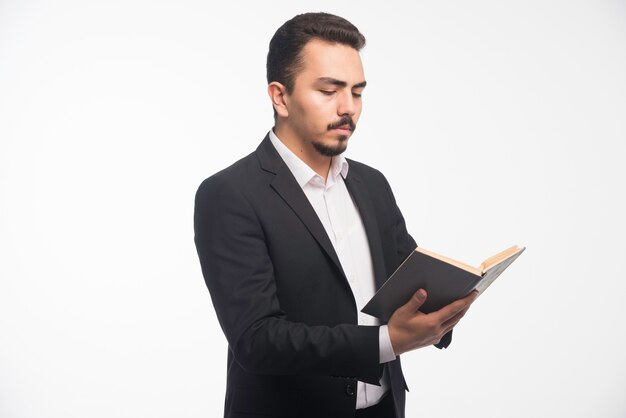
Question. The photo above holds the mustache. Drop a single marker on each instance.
(345, 120)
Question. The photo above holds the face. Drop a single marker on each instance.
(325, 104)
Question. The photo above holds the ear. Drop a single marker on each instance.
(278, 96)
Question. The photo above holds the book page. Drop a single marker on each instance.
(492, 273)
(498, 258)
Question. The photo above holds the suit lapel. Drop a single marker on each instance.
(359, 192)
(287, 187)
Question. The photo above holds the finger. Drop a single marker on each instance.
(416, 301)
(449, 311)
(449, 326)
(451, 323)
(471, 297)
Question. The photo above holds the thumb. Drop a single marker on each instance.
(416, 301)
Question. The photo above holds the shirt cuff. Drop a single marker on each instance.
(385, 348)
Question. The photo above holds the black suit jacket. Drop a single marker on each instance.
(281, 296)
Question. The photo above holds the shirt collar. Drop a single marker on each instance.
(300, 170)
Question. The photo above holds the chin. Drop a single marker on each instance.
(331, 150)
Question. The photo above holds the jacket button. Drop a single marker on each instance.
(350, 390)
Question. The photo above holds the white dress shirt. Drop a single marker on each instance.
(341, 220)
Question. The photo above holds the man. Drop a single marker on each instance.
(294, 239)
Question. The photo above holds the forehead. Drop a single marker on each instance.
(332, 60)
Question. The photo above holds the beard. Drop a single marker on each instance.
(342, 140)
(331, 150)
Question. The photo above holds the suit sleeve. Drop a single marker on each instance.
(238, 272)
(406, 244)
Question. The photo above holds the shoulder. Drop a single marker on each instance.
(372, 176)
(363, 168)
(235, 178)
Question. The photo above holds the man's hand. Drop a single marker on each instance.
(410, 329)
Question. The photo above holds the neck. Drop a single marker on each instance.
(304, 150)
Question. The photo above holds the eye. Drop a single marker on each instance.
(356, 95)
(327, 92)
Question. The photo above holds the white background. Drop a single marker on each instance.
(496, 123)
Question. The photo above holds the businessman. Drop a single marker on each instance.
(294, 239)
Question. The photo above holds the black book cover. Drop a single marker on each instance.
(443, 282)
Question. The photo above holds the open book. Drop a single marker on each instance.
(444, 279)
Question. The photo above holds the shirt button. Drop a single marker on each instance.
(350, 390)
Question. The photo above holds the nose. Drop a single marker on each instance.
(346, 104)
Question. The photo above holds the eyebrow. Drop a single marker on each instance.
(339, 83)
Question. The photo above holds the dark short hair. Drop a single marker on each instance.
(284, 58)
